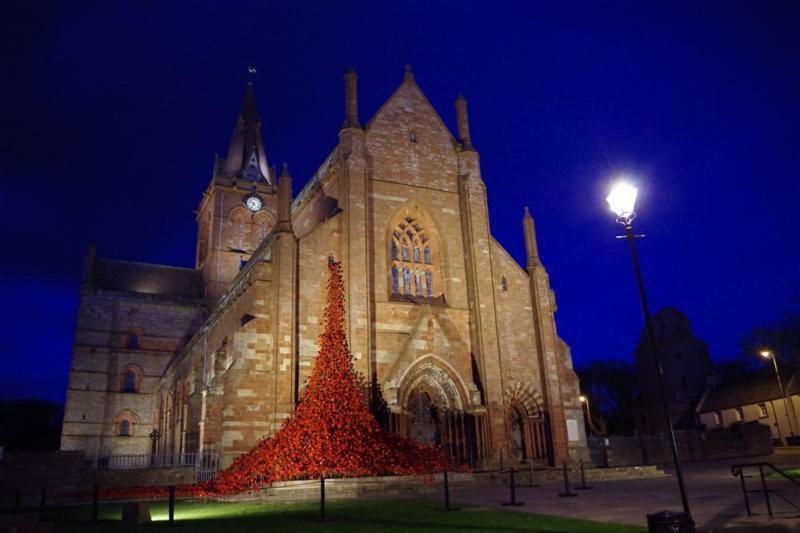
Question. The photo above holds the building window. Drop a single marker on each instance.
(129, 381)
(762, 410)
(133, 341)
(410, 244)
(395, 280)
(124, 428)
(718, 418)
(413, 136)
(503, 283)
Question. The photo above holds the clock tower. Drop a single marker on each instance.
(239, 208)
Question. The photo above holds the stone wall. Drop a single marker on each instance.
(117, 331)
(752, 439)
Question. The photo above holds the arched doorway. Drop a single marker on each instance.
(424, 419)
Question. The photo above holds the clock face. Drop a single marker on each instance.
(253, 203)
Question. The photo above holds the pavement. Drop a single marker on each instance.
(715, 497)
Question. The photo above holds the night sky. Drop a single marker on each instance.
(112, 112)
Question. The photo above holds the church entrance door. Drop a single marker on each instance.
(518, 450)
(424, 427)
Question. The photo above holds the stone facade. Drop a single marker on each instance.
(460, 338)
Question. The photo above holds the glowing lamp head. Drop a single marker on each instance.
(766, 354)
(582, 398)
(622, 201)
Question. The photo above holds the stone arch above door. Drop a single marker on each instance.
(438, 379)
(525, 397)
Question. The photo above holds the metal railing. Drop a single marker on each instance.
(203, 461)
(739, 471)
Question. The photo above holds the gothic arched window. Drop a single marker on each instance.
(124, 428)
(411, 252)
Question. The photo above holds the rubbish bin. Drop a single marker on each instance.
(669, 522)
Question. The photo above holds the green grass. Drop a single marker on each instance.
(791, 472)
(340, 516)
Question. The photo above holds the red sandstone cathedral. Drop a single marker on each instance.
(460, 338)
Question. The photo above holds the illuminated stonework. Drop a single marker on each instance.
(459, 337)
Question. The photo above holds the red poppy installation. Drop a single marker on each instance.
(332, 432)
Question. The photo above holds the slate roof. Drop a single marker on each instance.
(760, 386)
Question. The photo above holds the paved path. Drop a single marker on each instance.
(715, 497)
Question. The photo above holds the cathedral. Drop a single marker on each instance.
(457, 338)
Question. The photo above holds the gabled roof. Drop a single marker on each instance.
(247, 158)
(757, 387)
(409, 84)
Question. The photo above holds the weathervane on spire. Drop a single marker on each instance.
(251, 69)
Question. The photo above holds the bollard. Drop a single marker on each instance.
(513, 487)
(446, 492)
(583, 485)
(171, 504)
(95, 501)
(567, 492)
(322, 499)
(533, 474)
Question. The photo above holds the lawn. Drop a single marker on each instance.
(340, 516)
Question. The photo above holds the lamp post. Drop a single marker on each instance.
(768, 354)
(622, 201)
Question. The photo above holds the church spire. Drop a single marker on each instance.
(247, 159)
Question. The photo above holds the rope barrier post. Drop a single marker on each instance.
(322, 498)
(512, 485)
(583, 485)
(171, 504)
(95, 501)
(533, 474)
(567, 492)
(446, 482)
(446, 492)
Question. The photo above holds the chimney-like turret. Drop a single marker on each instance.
(462, 119)
(531, 248)
(351, 99)
(284, 201)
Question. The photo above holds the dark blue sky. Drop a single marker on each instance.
(112, 112)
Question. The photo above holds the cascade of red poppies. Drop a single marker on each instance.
(332, 432)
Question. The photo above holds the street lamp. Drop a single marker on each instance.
(622, 201)
(768, 354)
